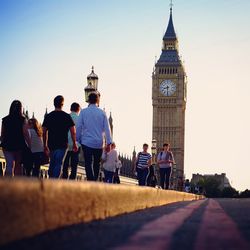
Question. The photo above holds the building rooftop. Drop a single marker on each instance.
(169, 57)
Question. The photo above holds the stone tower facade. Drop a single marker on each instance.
(169, 87)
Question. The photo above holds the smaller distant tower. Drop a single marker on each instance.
(27, 115)
(134, 156)
(33, 115)
(111, 123)
(46, 112)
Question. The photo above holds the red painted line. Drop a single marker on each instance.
(158, 233)
(219, 231)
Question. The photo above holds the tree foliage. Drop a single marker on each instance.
(229, 192)
(245, 194)
(211, 187)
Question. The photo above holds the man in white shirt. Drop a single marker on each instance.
(91, 127)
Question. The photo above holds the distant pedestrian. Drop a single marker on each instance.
(91, 127)
(56, 126)
(14, 136)
(165, 159)
(36, 146)
(187, 186)
(151, 180)
(143, 162)
(110, 160)
(116, 179)
(72, 158)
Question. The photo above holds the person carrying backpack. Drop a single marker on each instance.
(165, 159)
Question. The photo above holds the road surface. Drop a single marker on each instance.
(211, 224)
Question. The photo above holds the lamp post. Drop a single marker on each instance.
(88, 90)
(153, 150)
(92, 80)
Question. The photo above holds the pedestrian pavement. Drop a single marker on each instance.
(210, 224)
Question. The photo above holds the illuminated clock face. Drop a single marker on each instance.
(167, 88)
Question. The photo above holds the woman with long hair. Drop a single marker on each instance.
(36, 145)
(14, 133)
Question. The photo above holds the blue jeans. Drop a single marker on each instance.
(56, 161)
(13, 162)
(142, 174)
(92, 157)
(108, 176)
(71, 159)
(164, 177)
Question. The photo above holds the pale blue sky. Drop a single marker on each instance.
(47, 47)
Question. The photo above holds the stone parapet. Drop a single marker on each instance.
(29, 206)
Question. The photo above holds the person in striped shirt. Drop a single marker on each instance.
(143, 162)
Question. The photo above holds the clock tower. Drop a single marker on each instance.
(169, 99)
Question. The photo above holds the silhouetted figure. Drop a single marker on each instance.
(187, 186)
(14, 133)
(116, 179)
(56, 126)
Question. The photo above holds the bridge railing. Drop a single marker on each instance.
(81, 174)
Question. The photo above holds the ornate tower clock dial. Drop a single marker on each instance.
(167, 88)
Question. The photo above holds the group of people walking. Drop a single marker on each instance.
(27, 144)
(145, 170)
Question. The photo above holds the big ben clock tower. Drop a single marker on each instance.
(169, 99)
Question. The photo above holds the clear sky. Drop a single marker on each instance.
(47, 47)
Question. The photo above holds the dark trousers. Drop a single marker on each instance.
(71, 159)
(164, 177)
(142, 174)
(116, 178)
(108, 176)
(150, 175)
(27, 160)
(92, 157)
(36, 163)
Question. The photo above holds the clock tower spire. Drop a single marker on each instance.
(169, 99)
